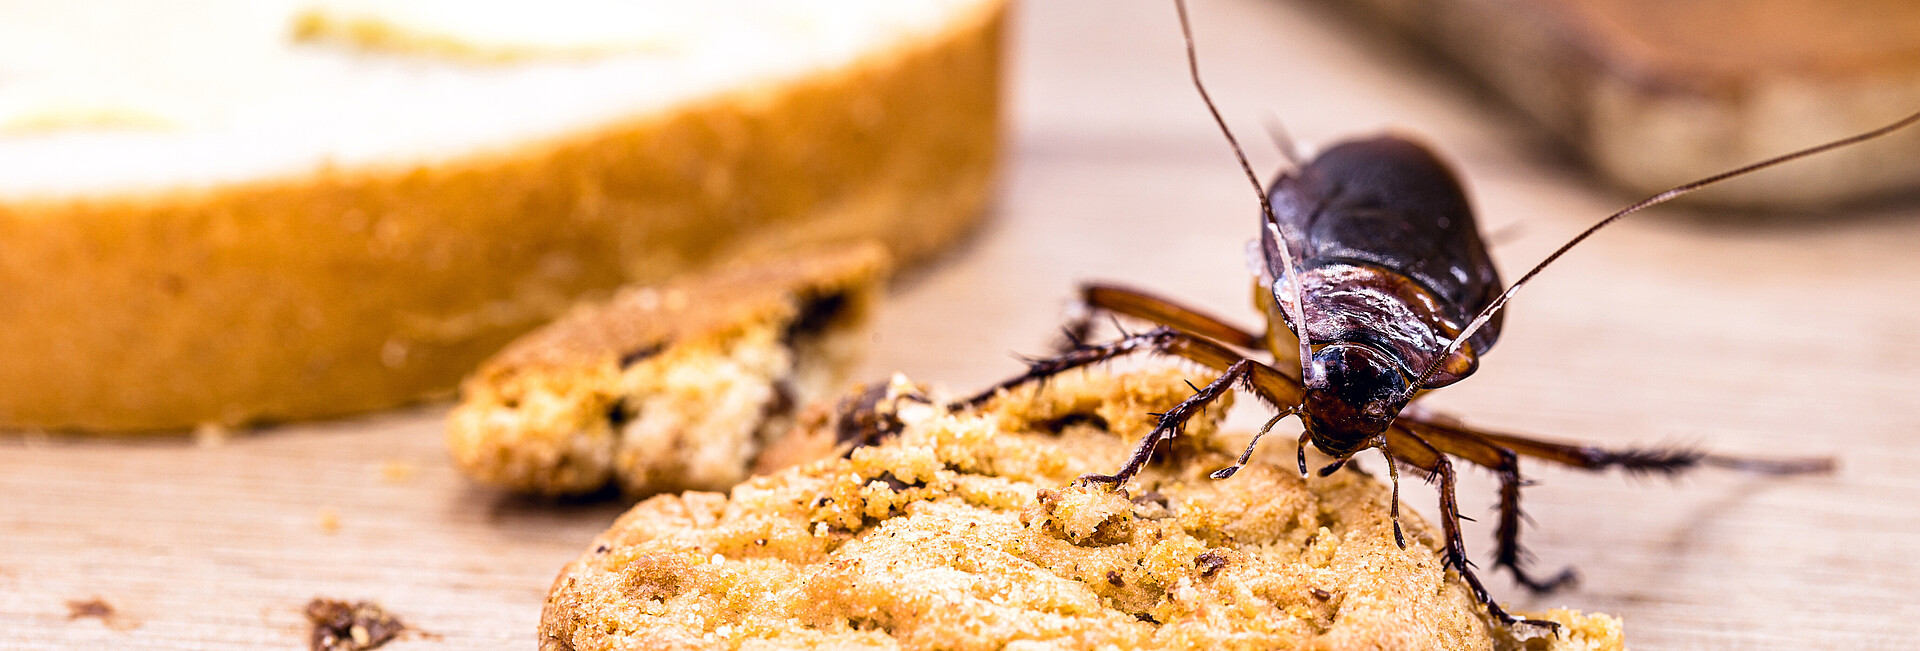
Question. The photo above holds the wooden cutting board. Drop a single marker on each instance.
(1654, 93)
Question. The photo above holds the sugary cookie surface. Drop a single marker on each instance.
(964, 531)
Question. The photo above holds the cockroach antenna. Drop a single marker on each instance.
(1271, 223)
(1500, 301)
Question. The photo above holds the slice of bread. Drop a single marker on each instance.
(235, 211)
(962, 531)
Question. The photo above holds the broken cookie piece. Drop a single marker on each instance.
(341, 626)
(965, 530)
(666, 388)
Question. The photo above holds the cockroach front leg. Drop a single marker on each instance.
(1247, 455)
(1115, 299)
(1404, 446)
(1275, 387)
(1255, 376)
(1039, 370)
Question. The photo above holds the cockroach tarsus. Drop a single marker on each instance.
(1375, 283)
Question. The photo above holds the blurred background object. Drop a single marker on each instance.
(231, 212)
(1654, 93)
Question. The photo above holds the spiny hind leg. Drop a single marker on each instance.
(1095, 298)
(1505, 464)
(1499, 453)
(1402, 445)
(1662, 460)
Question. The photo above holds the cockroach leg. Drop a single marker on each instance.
(1500, 452)
(1800, 466)
(1253, 375)
(1393, 510)
(1275, 386)
(1228, 471)
(1663, 461)
(1505, 464)
(1409, 448)
(1038, 370)
(1115, 299)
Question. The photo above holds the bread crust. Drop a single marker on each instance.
(346, 290)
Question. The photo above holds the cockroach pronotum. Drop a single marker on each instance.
(1372, 246)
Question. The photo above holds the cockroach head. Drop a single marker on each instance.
(1354, 391)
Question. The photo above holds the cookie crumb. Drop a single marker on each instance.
(1082, 515)
(97, 608)
(93, 607)
(340, 626)
(1578, 632)
(1210, 562)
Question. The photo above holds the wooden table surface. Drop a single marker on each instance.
(1756, 335)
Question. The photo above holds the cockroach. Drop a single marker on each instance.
(1375, 281)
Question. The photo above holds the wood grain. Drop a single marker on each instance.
(1753, 336)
